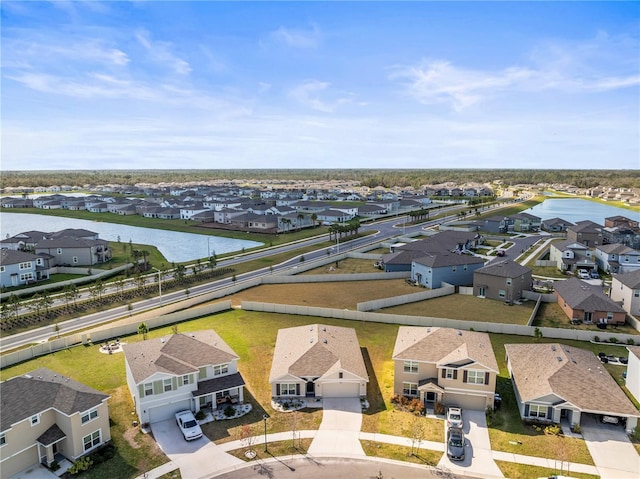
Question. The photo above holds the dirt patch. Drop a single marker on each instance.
(341, 295)
(130, 436)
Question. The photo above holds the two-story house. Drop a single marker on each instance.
(633, 372)
(47, 417)
(586, 232)
(571, 256)
(625, 290)
(18, 268)
(182, 371)
(617, 258)
(525, 222)
(502, 280)
(74, 251)
(445, 365)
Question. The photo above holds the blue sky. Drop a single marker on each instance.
(153, 84)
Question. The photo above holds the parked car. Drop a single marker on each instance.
(188, 425)
(583, 274)
(594, 274)
(455, 444)
(454, 417)
(500, 252)
(610, 419)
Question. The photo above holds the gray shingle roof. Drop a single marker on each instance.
(504, 269)
(579, 294)
(9, 256)
(177, 354)
(316, 349)
(615, 248)
(573, 374)
(630, 280)
(24, 396)
(444, 346)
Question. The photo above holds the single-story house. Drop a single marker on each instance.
(586, 302)
(46, 417)
(182, 371)
(502, 280)
(318, 361)
(445, 365)
(555, 382)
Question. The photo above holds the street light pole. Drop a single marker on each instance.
(264, 417)
(159, 281)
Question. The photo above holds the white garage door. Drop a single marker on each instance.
(466, 401)
(162, 413)
(340, 390)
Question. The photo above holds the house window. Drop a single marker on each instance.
(91, 441)
(26, 265)
(502, 293)
(609, 315)
(464, 267)
(185, 380)
(449, 373)
(3, 439)
(148, 389)
(636, 293)
(410, 366)
(35, 419)
(508, 281)
(475, 377)
(59, 251)
(288, 389)
(39, 262)
(26, 276)
(340, 375)
(167, 385)
(220, 369)
(410, 389)
(453, 268)
(626, 259)
(536, 410)
(88, 416)
(1, 269)
(75, 259)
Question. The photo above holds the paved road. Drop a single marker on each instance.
(335, 468)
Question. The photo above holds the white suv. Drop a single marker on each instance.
(583, 274)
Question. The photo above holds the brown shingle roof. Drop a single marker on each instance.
(315, 350)
(444, 346)
(177, 354)
(24, 396)
(579, 294)
(574, 375)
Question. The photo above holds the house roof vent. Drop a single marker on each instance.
(324, 341)
(553, 348)
(559, 359)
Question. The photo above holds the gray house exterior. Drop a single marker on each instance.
(68, 250)
(434, 269)
(18, 268)
(502, 280)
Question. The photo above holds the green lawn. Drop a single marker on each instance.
(550, 315)
(513, 470)
(401, 453)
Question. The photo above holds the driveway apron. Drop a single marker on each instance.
(478, 456)
(340, 428)
(612, 452)
(195, 459)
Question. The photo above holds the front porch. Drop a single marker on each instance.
(218, 393)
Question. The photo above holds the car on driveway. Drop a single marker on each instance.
(583, 274)
(455, 444)
(188, 425)
(454, 417)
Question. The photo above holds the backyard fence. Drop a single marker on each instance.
(377, 304)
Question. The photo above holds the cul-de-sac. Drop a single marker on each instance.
(453, 331)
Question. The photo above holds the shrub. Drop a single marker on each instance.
(630, 341)
(576, 428)
(613, 340)
(81, 465)
(438, 408)
(553, 430)
(229, 411)
(200, 415)
(596, 339)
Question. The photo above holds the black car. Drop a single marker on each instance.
(455, 444)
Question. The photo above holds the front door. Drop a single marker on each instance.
(311, 389)
(588, 316)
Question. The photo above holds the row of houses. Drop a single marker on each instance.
(63, 419)
(30, 256)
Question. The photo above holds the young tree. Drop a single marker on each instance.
(143, 330)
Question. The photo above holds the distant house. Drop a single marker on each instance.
(74, 251)
(585, 232)
(494, 224)
(571, 256)
(318, 361)
(433, 269)
(182, 371)
(625, 290)
(444, 365)
(45, 417)
(633, 372)
(18, 268)
(525, 222)
(617, 258)
(555, 225)
(587, 303)
(502, 280)
(332, 216)
(554, 382)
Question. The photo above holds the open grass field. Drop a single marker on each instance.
(468, 308)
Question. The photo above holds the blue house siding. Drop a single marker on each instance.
(458, 275)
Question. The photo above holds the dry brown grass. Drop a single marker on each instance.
(467, 308)
(346, 266)
(343, 295)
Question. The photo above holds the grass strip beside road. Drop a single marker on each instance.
(420, 456)
(513, 470)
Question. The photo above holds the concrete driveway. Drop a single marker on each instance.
(612, 452)
(195, 459)
(478, 456)
(340, 428)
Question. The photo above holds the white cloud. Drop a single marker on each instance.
(296, 37)
(160, 52)
(309, 94)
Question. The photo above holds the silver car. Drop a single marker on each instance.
(455, 444)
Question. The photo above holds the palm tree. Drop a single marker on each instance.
(314, 219)
(300, 218)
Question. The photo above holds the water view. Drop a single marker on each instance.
(175, 246)
(575, 209)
